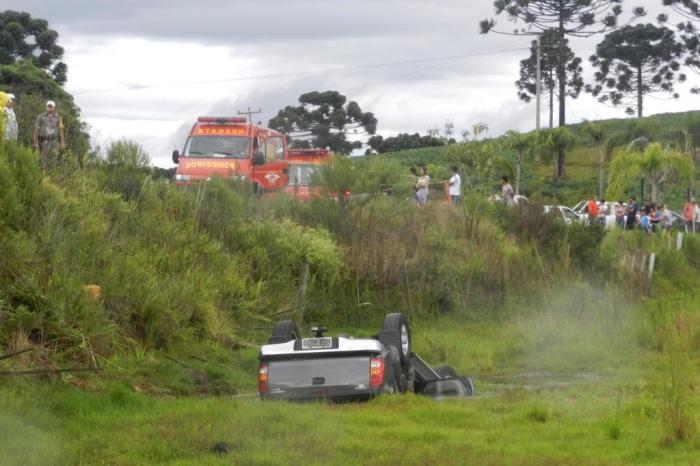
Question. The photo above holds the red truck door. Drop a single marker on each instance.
(269, 166)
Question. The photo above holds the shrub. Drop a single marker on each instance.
(528, 222)
(584, 246)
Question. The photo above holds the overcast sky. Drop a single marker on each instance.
(145, 69)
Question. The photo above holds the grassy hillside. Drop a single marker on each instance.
(579, 356)
(680, 130)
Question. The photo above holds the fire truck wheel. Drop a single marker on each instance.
(284, 331)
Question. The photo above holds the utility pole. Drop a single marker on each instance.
(539, 80)
(250, 113)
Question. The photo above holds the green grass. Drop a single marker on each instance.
(57, 425)
(605, 399)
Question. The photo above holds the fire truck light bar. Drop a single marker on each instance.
(221, 120)
(308, 152)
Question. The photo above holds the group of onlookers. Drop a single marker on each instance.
(453, 186)
(649, 217)
(628, 216)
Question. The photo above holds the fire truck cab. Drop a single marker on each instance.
(232, 148)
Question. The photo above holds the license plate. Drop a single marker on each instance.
(316, 343)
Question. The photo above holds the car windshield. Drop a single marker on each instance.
(332, 371)
(300, 175)
(217, 146)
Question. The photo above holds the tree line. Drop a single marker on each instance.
(631, 62)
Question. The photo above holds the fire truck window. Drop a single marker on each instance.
(274, 150)
(300, 175)
(217, 146)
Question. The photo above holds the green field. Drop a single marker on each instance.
(578, 355)
(580, 382)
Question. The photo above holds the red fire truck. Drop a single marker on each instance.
(303, 165)
(233, 149)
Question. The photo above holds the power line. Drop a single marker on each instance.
(302, 73)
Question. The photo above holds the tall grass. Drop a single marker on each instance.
(678, 382)
(213, 263)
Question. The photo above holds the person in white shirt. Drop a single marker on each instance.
(666, 218)
(455, 183)
(602, 211)
(11, 128)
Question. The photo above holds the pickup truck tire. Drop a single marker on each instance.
(446, 372)
(284, 331)
(396, 332)
(399, 373)
(469, 384)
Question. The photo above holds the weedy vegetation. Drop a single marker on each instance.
(580, 355)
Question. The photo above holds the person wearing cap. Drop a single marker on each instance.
(49, 136)
(11, 127)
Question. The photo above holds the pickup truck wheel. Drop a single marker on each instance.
(446, 372)
(469, 384)
(284, 331)
(396, 322)
(399, 375)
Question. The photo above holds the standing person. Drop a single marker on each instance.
(507, 192)
(602, 211)
(654, 216)
(631, 213)
(620, 215)
(696, 216)
(645, 221)
(455, 183)
(422, 186)
(666, 218)
(49, 137)
(11, 127)
(689, 215)
(592, 208)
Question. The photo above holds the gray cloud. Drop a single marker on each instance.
(236, 22)
(232, 22)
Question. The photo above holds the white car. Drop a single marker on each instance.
(566, 213)
(518, 199)
(581, 209)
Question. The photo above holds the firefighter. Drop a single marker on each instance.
(49, 136)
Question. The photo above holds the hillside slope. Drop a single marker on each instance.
(681, 130)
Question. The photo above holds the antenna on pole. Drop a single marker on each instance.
(539, 80)
(250, 113)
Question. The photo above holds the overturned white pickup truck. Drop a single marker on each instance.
(343, 368)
